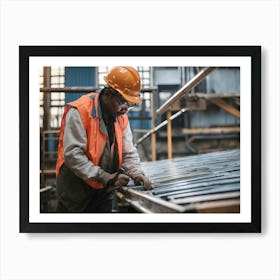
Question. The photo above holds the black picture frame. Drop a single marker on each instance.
(253, 52)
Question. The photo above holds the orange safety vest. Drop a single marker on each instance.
(89, 109)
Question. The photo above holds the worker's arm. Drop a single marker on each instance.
(75, 145)
(131, 160)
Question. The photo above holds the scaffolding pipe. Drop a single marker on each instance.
(67, 89)
(164, 123)
(82, 89)
(211, 130)
(169, 135)
(185, 89)
(153, 137)
(214, 95)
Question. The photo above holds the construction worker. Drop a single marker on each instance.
(96, 154)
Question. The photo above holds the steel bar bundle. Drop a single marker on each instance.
(205, 183)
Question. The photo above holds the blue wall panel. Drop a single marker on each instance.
(79, 77)
(74, 77)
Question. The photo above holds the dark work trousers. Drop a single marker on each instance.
(75, 196)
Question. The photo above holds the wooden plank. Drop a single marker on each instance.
(225, 106)
(50, 131)
(153, 136)
(169, 135)
(212, 130)
(47, 171)
(153, 146)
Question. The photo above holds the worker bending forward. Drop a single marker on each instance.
(95, 146)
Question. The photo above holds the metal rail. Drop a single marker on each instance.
(211, 130)
(201, 183)
(214, 95)
(166, 108)
(158, 127)
(150, 203)
(185, 89)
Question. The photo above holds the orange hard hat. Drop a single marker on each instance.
(126, 81)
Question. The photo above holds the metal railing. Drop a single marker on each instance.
(167, 108)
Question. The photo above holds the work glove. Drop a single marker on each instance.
(116, 181)
(143, 181)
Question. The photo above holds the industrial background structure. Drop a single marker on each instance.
(186, 131)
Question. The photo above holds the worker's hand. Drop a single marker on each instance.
(143, 181)
(118, 180)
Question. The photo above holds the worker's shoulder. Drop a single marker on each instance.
(87, 98)
(84, 102)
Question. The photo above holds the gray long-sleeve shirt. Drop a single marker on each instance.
(75, 145)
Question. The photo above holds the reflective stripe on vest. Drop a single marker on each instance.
(89, 110)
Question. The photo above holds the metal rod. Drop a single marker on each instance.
(214, 95)
(46, 118)
(135, 204)
(163, 124)
(152, 201)
(210, 197)
(198, 182)
(191, 182)
(206, 190)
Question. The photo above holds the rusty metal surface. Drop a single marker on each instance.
(200, 183)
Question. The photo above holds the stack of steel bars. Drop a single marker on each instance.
(206, 183)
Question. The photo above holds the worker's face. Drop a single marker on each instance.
(118, 105)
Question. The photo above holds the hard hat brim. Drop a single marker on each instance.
(132, 99)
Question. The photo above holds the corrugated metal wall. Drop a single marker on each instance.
(78, 77)
(222, 80)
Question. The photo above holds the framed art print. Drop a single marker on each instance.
(197, 133)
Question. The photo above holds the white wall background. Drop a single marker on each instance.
(139, 256)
